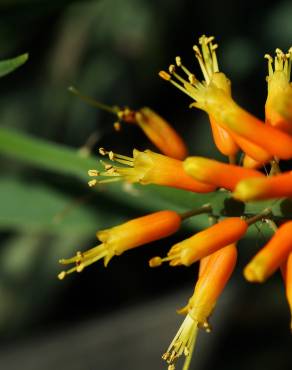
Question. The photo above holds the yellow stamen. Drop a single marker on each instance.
(183, 343)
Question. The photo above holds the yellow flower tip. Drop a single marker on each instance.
(155, 262)
(62, 275)
(248, 189)
(196, 167)
(182, 343)
(164, 75)
(92, 183)
(253, 273)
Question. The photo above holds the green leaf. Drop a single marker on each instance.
(31, 206)
(9, 65)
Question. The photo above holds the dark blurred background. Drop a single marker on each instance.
(123, 316)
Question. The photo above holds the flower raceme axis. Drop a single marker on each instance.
(256, 152)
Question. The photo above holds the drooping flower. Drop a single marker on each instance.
(149, 168)
(279, 186)
(156, 128)
(161, 134)
(211, 282)
(215, 274)
(129, 235)
(217, 173)
(209, 65)
(277, 108)
(271, 256)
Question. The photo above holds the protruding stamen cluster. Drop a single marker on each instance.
(281, 63)
(115, 173)
(182, 343)
(207, 58)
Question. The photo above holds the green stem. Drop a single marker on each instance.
(207, 208)
(263, 215)
(94, 103)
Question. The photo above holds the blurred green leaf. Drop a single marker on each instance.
(9, 65)
(27, 206)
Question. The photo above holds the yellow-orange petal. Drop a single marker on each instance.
(271, 256)
(217, 173)
(254, 151)
(274, 141)
(279, 186)
(161, 134)
(249, 162)
(170, 172)
(223, 140)
(207, 241)
(211, 283)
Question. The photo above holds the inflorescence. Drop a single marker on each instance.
(251, 147)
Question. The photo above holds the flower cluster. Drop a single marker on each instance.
(255, 151)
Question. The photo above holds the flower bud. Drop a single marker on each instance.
(217, 173)
(271, 256)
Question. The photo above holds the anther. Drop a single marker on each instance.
(197, 51)
(268, 57)
(102, 151)
(192, 79)
(178, 61)
(92, 183)
(164, 75)
(93, 173)
(62, 275)
(155, 262)
(171, 69)
(117, 126)
(186, 351)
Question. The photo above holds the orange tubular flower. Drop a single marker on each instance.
(161, 134)
(249, 162)
(256, 152)
(149, 168)
(204, 243)
(279, 186)
(279, 91)
(129, 235)
(214, 97)
(208, 288)
(157, 129)
(271, 256)
(217, 173)
(223, 139)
